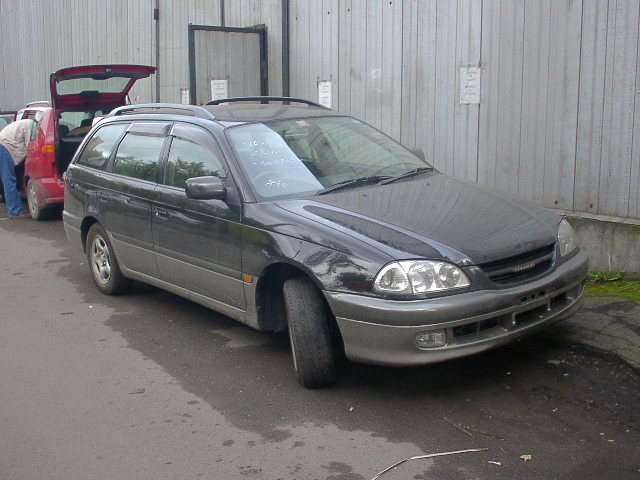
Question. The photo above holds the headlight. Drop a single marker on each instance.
(420, 276)
(566, 238)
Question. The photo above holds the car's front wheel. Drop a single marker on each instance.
(309, 333)
(103, 263)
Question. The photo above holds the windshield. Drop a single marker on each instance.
(290, 157)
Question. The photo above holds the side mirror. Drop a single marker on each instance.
(418, 152)
(205, 188)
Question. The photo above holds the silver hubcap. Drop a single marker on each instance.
(33, 200)
(100, 261)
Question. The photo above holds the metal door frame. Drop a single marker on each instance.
(261, 30)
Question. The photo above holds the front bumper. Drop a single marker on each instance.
(383, 332)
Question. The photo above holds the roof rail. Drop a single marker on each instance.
(177, 108)
(39, 102)
(267, 99)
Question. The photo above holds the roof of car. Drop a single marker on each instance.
(249, 113)
(234, 112)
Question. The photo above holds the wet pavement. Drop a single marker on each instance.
(608, 324)
(151, 385)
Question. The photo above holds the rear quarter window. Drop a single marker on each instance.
(98, 149)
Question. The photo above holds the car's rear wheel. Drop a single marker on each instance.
(103, 263)
(33, 201)
(313, 357)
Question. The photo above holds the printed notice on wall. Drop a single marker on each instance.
(184, 96)
(219, 89)
(469, 85)
(324, 94)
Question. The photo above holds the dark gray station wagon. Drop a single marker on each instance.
(285, 215)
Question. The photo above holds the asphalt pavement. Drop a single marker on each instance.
(608, 324)
(153, 386)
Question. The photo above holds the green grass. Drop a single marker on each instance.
(619, 288)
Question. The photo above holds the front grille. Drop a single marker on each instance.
(521, 267)
(474, 331)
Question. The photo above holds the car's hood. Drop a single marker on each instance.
(95, 85)
(434, 216)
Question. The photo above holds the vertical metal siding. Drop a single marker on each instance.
(247, 13)
(438, 39)
(560, 133)
(392, 53)
(616, 181)
(535, 112)
(446, 81)
(591, 98)
(227, 56)
(358, 47)
(39, 38)
(559, 118)
(345, 58)
(466, 135)
(608, 140)
(419, 67)
(499, 131)
(175, 18)
(531, 134)
(302, 78)
(634, 190)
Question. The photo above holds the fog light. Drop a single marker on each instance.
(437, 338)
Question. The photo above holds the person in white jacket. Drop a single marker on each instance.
(14, 139)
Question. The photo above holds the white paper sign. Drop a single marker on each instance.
(184, 96)
(324, 94)
(469, 85)
(219, 89)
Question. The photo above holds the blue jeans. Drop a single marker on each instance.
(8, 176)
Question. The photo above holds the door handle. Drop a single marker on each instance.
(161, 213)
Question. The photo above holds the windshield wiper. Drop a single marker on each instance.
(410, 173)
(354, 182)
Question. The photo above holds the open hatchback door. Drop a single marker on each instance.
(95, 85)
(78, 96)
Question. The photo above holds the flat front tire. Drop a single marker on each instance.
(309, 333)
(103, 263)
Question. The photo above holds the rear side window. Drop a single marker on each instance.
(138, 155)
(98, 149)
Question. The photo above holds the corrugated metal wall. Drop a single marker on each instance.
(559, 113)
(38, 37)
(175, 17)
(559, 117)
(247, 13)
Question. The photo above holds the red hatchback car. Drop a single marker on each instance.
(78, 95)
